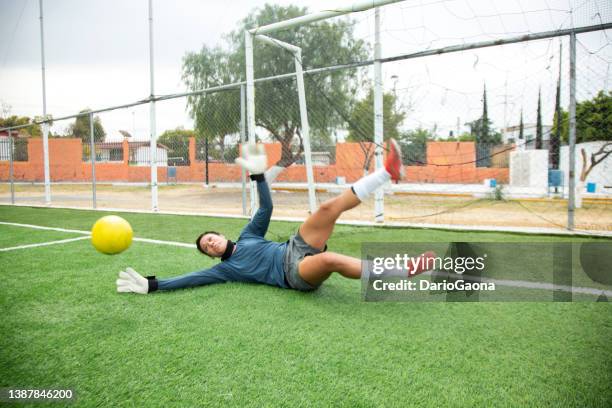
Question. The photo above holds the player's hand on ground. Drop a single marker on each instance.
(253, 158)
(131, 281)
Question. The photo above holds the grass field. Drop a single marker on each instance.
(237, 344)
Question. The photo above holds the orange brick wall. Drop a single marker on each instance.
(448, 162)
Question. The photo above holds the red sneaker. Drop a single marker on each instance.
(424, 263)
(393, 163)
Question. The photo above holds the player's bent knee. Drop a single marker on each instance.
(327, 206)
(329, 261)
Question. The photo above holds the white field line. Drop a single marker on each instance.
(14, 224)
(88, 233)
(528, 284)
(172, 243)
(61, 241)
(510, 283)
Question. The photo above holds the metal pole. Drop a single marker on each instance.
(11, 171)
(206, 160)
(92, 153)
(45, 127)
(242, 143)
(154, 201)
(571, 202)
(250, 107)
(321, 15)
(312, 201)
(379, 198)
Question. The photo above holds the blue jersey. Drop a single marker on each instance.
(254, 260)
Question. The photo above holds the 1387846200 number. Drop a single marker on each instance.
(19, 394)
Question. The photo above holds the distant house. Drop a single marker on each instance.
(138, 153)
(106, 152)
(510, 135)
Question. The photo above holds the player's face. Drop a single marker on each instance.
(213, 244)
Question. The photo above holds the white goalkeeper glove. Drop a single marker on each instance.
(254, 158)
(131, 281)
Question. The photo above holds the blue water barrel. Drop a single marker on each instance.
(555, 178)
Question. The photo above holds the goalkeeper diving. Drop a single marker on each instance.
(302, 263)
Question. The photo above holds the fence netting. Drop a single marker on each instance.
(487, 146)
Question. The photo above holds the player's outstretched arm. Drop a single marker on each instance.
(130, 281)
(255, 161)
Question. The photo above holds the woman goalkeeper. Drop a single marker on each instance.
(302, 263)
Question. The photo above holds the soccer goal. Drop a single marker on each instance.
(264, 35)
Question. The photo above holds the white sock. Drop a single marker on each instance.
(272, 173)
(368, 184)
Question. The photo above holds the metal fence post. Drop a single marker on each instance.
(45, 126)
(11, 175)
(312, 201)
(153, 146)
(206, 159)
(250, 106)
(242, 142)
(92, 153)
(379, 197)
(571, 202)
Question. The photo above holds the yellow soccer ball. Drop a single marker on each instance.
(111, 235)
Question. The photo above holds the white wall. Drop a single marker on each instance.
(142, 156)
(529, 168)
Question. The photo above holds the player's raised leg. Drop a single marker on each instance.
(317, 228)
(317, 268)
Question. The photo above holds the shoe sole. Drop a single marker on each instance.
(399, 154)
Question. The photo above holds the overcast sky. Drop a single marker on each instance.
(97, 55)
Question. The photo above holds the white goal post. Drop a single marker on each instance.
(259, 33)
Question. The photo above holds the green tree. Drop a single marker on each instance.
(80, 128)
(216, 114)
(555, 137)
(485, 124)
(484, 135)
(276, 103)
(593, 119)
(30, 131)
(361, 122)
(361, 125)
(477, 133)
(467, 137)
(414, 146)
(177, 142)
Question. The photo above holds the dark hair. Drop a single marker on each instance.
(200, 237)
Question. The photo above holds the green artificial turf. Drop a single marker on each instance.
(238, 344)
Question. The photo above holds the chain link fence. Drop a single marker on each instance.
(480, 151)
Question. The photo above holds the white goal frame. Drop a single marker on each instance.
(259, 33)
